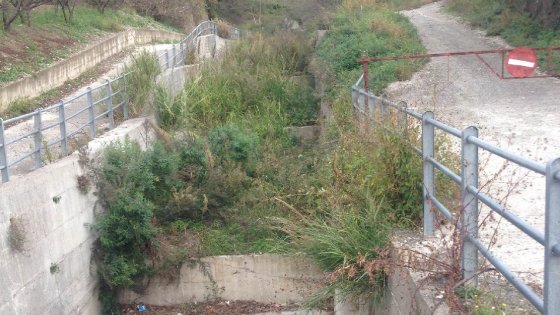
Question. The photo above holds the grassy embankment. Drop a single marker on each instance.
(26, 50)
(33, 53)
(227, 178)
(499, 18)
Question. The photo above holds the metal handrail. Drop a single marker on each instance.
(174, 57)
(471, 195)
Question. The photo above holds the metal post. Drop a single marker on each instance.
(365, 66)
(62, 125)
(355, 95)
(428, 140)
(91, 112)
(3, 155)
(38, 138)
(174, 57)
(166, 59)
(383, 105)
(110, 104)
(402, 116)
(125, 99)
(371, 105)
(182, 52)
(552, 239)
(469, 214)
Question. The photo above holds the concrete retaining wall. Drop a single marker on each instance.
(174, 79)
(73, 66)
(409, 292)
(260, 278)
(45, 242)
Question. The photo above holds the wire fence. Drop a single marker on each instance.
(369, 106)
(53, 132)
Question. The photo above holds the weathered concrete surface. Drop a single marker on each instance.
(261, 278)
(305, 133)
(45, 241)
(211, 46)
(411, 291)
(174, 79)
(75, 65)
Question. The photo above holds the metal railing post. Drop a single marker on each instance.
(365, 69)
(37, 139)
(182, 52)
(62, 125)
(383, 106)
(428, 140)
(3, 155)
(91, 112)
(469, 213)
(166, 59)
(125, 98)
(174, 56)
(354, 97)
(552, 239)
(110, 104)
(402, 116)
(370, 110)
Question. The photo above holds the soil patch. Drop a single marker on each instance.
(210, 308)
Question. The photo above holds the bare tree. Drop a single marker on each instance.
(10, 12)
(103, 4)
(67, 7)
(26, 7)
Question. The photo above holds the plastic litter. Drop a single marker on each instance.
(141, 308)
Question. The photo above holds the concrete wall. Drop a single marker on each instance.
(261, 278)
(174, 79)
(72, 67)
(45, 244)
(410, 291)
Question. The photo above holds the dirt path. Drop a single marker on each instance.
(522, 116)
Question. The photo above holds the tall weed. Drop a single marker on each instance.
(141, 82)
(250, 86)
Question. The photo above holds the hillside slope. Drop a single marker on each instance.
(27, 49)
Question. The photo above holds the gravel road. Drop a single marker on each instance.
(522, 116)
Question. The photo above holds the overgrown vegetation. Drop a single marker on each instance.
(140, 83)
(228, 177)
(375, 33)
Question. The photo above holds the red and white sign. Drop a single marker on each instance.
(521, 62)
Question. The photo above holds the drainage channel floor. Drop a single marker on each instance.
(219, 308)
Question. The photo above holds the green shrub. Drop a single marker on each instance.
(230, 143)
(193, 161)
(125, 234)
